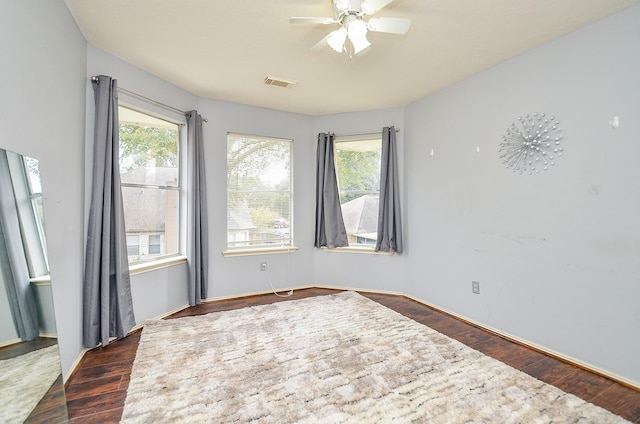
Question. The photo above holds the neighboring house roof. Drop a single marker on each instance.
(141, 204)
(360, 215)
(239, 218)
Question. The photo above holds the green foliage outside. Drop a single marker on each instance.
(140, 144)
(263, 217)
(248, 159)
(358, 173)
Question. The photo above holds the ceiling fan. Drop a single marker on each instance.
(350, 14)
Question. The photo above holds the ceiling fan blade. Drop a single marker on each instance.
(311, 20)
(369, 7)
(390, 25)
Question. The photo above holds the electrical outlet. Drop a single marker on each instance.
(263, 266)
(475, 287)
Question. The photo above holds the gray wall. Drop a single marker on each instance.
(556, 254)
(42, 109)
(43, 294)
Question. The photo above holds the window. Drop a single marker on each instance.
(34, 188)
(24, 176)
(259, 191)
(133, 246)
(150, 179)
(154, 244)
(358, 172)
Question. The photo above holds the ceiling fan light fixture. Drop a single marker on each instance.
(350, 16)
(336, 39)
(367, 8)
(357, 32)
(342, 5)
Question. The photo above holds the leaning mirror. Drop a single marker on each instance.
(31, 387)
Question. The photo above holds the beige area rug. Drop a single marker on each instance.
(24, 380)
(340, 358)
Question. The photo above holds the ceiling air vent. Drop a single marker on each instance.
(279, 82)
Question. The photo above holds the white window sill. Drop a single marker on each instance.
(142, 267)
(356, 249)
(258, 251)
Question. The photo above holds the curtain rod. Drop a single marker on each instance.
(155, 102)
(360, 134)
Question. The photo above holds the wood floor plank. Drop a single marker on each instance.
(111, 416)
(510, 353)
(52, 408)
(585, 385)
(98, 388)
(474, 337)
(619, 399)
(21, 348)
(95, 403)
(115, 368)
(550, 370)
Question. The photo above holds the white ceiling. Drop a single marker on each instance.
(223, 49)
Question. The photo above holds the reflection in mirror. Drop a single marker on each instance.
(31, 387)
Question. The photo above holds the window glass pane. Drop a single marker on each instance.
(152, 210)
(358, 171)
(259, 191)
(35, 192)
(133, 246)
(33, 170)
(149, 174)
(148, 149)
(155, 244)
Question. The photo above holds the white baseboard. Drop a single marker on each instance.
(176, 310)
(258, 293)
(75, 365)
(10, 342)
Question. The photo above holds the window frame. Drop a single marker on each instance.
(160, 260)
(30, 220)
(353, 246)
(282, 245)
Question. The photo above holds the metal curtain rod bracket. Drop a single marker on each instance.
(146, 99)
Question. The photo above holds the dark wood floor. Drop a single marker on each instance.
(18, 349)
(96, 392)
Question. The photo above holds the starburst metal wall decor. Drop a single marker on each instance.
(531, 144)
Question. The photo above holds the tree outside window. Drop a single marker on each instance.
(259, 191)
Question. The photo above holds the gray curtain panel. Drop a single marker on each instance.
(389, 220)
(14, 271)
(197, 241)
(107, 302)
(330, 230)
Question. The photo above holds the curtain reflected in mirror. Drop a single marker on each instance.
(31, 386)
